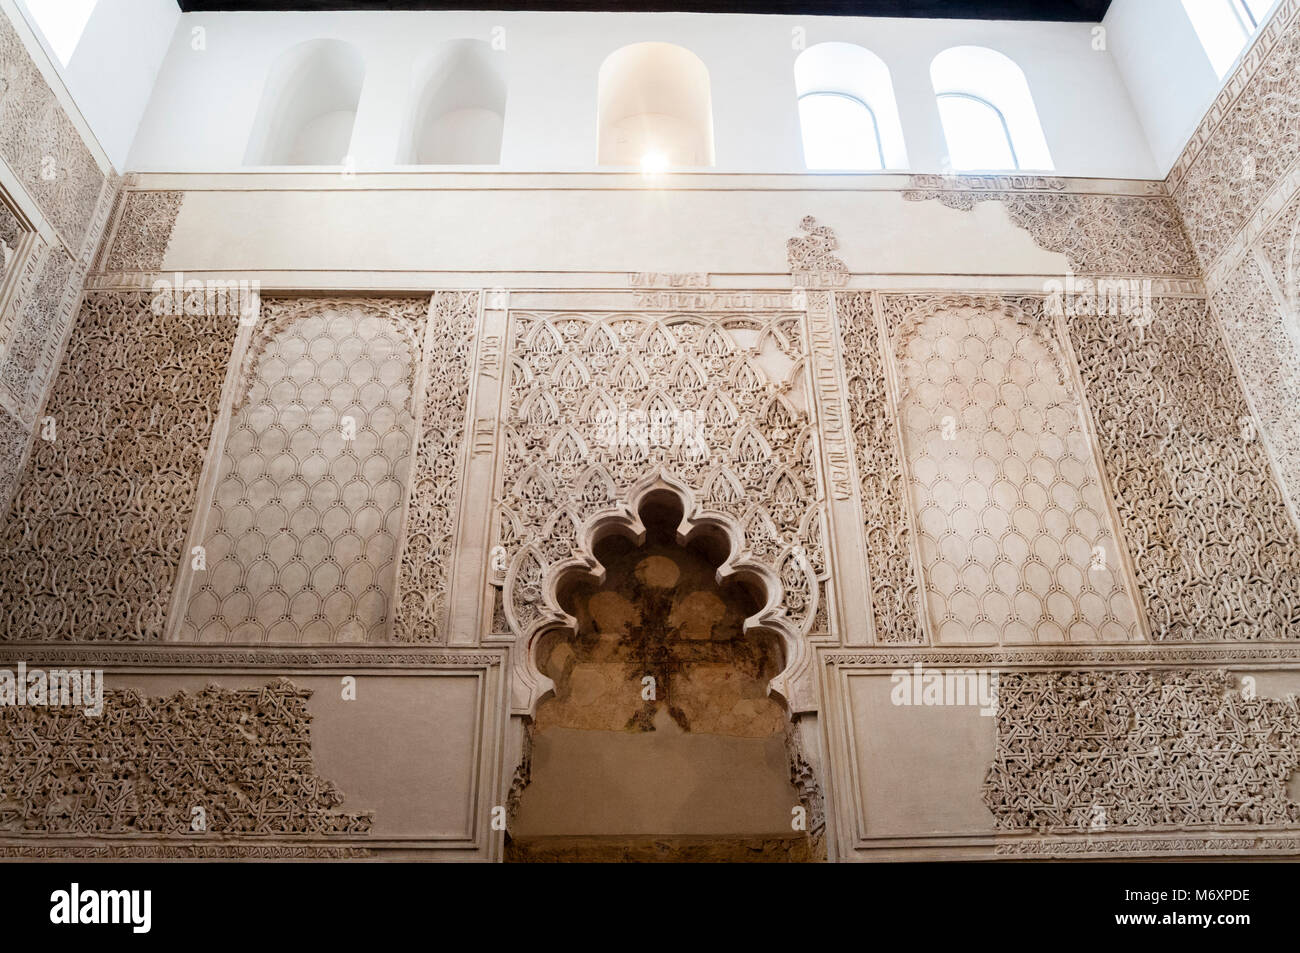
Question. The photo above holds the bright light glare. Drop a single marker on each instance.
(653, 163)
(62, 22)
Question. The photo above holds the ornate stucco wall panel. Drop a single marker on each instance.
(1266, 342)
(1237, 185)
(1215, 549)
(1012, 515)
(95, 531)
(603, 404)
(299, 539)
(43, 147)
(257, 754)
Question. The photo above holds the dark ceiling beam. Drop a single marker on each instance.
(1085, 11)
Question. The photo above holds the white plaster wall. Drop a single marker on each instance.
(1166, 70)
(112, 71)
(204, 102)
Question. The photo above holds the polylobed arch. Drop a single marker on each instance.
(309, 106)
(654, 108)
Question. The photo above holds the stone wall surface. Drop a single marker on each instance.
(954, 513)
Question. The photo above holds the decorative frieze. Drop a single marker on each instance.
(1098, 234)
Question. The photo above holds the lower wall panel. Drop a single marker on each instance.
(1124, 759)
(364, 755)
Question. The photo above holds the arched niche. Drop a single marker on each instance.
(654, 108)
(848, 70)
(309, 106)
(979, 77)
(460, 104)
(660, 732)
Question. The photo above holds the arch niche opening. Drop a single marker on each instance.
(660, 740)
(459, 116)
(309, 106)
(654, 108)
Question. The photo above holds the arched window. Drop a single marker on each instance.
(654, 108)
(988, 114)
(309, 106)
(1225, 27)
(460, 106)
(847, 112)
(977, 133)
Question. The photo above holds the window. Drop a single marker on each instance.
(309, 106)
(988, 114)
(61, 22)
(976, 132)
(839, 132)
(847, 112)
(654, 108)
(1225, 27)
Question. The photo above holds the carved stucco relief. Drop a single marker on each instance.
(600, 403)
(31, 344)
(300, 538)
(424, 572)
(43, 147)
(1248, 143)
(1266, 345)
(1011, 513)
(96, 528)
(1215, 552)
(243, 756)
(1098, 234)
(13, 444)
(886, 514)
(143, 231)
(1104, 751)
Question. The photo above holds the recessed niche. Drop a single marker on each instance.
(654, 108)
(460, 104)
(309, 106)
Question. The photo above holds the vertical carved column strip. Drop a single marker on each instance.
(468, 610)
(852, 617)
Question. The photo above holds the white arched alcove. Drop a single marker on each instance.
(459, 106)
(654, 108)
(860, 77)
(309, 106)
(986, 82)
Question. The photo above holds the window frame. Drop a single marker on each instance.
(1006, 130)
(875, 124)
